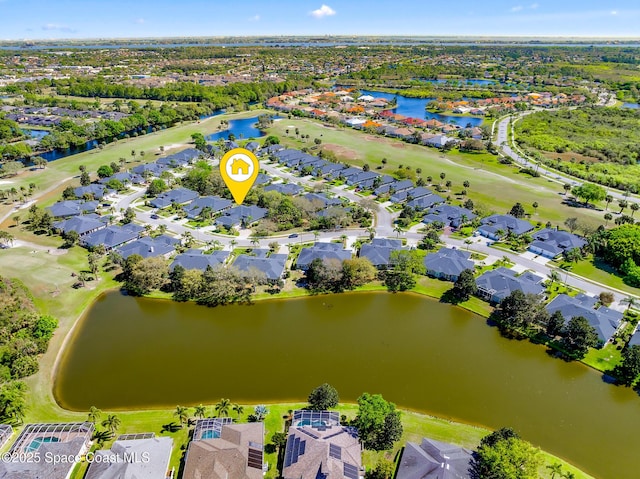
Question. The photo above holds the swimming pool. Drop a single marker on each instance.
(39, 441)
(210, 434)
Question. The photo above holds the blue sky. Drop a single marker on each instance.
(45, 19)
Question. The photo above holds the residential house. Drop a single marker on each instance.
(318, 446)
(95, 190)
(324, 251)
(262, 179)
(214, 203)
(321, 200)
(148, 247)
(397, 186)
(551, 242)
(604, 320)
(223, 450)
(134, 456)
(361, 178)
(241, 215)
(252, 146)
(81, 224)
(123, 177)
(439, 141)
(179, 196)
(112, 236)
(497, 284)
(448, 263)
(150, 169)
(64, 209)
(196, 259)
(409, 194)
(425, 202)
(449, 215)
(434, 460)
(332, 169)
(272, 267)
(497, 226)
(290, 189)
(379, 251)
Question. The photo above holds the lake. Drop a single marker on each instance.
(415, 108)
(633, 106)
(135, 353)
(244, 128)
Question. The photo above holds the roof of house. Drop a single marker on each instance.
(322, 450)
(556, 241)
(72, 208)
(501, 282)
(81, 224)
(21, 469)
(448, 261)
(285, 188)
(425, 201)
(238, 214)
(113, 236)
(148, 247)
(379, 250)
(323, 199)
(177, 196)
(272, 267)
(123, 177)
(604, 320)
(448, 214)
(196, 259)
(434, 460)
(236, 454)
(153, 168)
(95, 189)
(215, 203)
(133, 459)
(506, 223)
(324, 251)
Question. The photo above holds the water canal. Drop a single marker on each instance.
(134, 353)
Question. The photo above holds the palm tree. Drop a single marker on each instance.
(222, 408)
(94, 414)
(344, 238)
(200, 411)
(182, 413)
(622, 204)
(608, 199)
(16, 218)
(6, 238)
(566, 188)
(261, 411)
(607, 217)
(372, 232)
(316, 235)
(632, 302)
(255, 241)
(233, 244)
(569, 475)
(554, 276)
(535, 207)
(398, 229)
(112, 423)
(634, 207)
(238, 409)
(555, 468)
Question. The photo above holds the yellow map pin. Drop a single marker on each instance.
(239, 169)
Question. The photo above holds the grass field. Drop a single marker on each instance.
(600, 272)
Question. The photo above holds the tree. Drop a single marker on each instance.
(555, 324)
(94, 414)
(238, 409)
(85, 179)
(503, 455)
(199, 140)
(323, 397)
(13, 402)
(222, 407)
(39, 162)
(622, 204)
(378, 422)
(94, 262)
(200, 411)
(634, 207)
(589, 192)
(535, 207)
(384, 469)
(182, 413)
(607, 217)
(517, 210)
(465, 285)
(555, 468)
(606, 298)
(357, 272)
(571, 223)
(105, 171)
(632, 302)
(129, 216)
(6, 238)
(146, 275)
(608, 199)
(156, 187)
(628, 370)
(261, 412)
(579, 336)
(466, 184)
(566, 188)
(112, 423)
(521, 312)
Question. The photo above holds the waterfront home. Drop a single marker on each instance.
(497, 284)
(179, 196)
(379, 251)
(272, 267)
(552, 242)
(433, 459)
(196, 259)
(324, 251)
(112, 236)
(64, 209)
(448, 263)
(133, 456)
(604, 320)
(319, 446)
(439, 141)
(221, 450)
(497, 226)
(448, 215)
(148, 247)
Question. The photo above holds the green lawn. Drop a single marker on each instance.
(603, 359)
(596, 270)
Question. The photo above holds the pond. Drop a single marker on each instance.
(415, 108)
(243, 128)
(633, 106)
(133, 353)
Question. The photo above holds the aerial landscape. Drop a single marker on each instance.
(331, 241)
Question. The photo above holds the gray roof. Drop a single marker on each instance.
(252, 146)
(72, 208)
(261, 179)
(413, 194)
(448, 262)
(379, 250)
(604, 320)
(323, 199)
(362, 177)
(97, 190)
(196, 259)
(272, 267)
(178, 196)
(153, 168)
(425, 202)
(133, 459)
(285, 188)
(148, 247)
(43, 469)
(324, 251)
(434, 460)
(123, 177)
(81, 224)
(506, 223)
(238, 214)
(113, 236)
(500, 283)
(217, 204)
(448, 214)
(556, 241)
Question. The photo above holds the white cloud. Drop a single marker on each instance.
(255, 18)
(57, 26)
(614, 12)
(533, 6)
(139, 21)
(517, 8)
(323, 11)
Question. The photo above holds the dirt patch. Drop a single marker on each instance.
(398, 145)
(342, 152)
(567, 156)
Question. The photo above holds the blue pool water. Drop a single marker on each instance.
(210, 434)
(311, 423)
(39, 441)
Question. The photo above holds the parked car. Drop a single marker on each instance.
(293, 235)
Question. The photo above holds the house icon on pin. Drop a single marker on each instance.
(239, 167)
